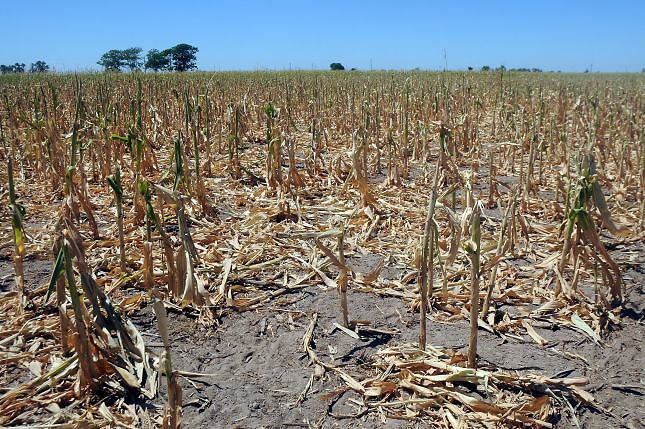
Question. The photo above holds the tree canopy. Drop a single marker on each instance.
(116, 59)
(157, 61)
(15, 68)
(39, 67)
(183, 57)
(336, 66)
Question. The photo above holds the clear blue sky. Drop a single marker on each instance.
(247, 35)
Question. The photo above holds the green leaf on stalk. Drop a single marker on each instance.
(59, 266)
(115, 184)
(179, 168)
(117, 137)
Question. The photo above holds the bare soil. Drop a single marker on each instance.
(256, 369)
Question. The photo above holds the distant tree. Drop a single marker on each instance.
(112, 60)
(15, 68)
(39, 67)
(501, 68)
(157, 61)
(336, 66)
(115, 59)
(485, 68)
(132, 58)
(182, 57)
(470, 68)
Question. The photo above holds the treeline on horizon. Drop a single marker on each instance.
(182, 57)
(179, 58)
(37, 67)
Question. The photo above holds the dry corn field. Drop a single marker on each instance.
(322, 250)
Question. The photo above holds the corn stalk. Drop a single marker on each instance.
(17, 213)
(426, 271)
(172, 416)
(115, 184)
(473, 250)
(340, 264)
(579, 219)
(498, 252)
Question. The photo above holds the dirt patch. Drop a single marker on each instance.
(37, 272)
(258, 365)
(258, 369)
(616, 371)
